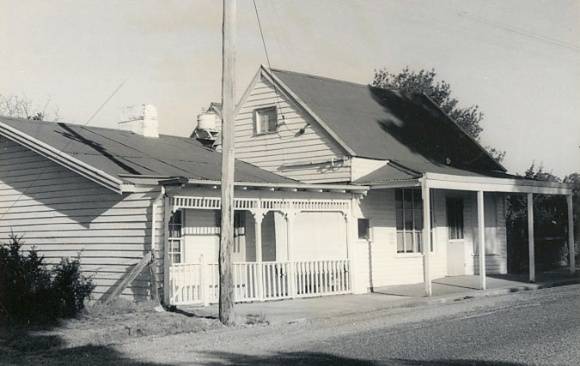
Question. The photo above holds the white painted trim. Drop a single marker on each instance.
(297, 185)
(490, 184)
(398, 184)
(248, 90)
(61, 158)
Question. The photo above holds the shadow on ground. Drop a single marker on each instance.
(28, 349)
(316, 358)
(24, 347)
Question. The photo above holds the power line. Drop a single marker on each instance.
(522, 32)
(262, 34)
(63, 148)
(278, 108)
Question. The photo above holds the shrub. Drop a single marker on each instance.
(31, 292)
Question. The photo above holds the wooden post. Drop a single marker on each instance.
(571, 248)
(426, 238)
(166, 257)
(258, 218)
(226, 298)
(481, 239)
(531, 245)
(350, 251)
(290, 215)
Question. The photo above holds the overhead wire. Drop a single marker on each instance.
(43, 171)
(276, 91)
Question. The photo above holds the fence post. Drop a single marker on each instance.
(203, 285)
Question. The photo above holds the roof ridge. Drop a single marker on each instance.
(320, 77)
(72, 124)
(326, 78)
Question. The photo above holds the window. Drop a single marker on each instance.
(363, 229)
(455, 218)
(175, 238)
(409, 218)
(266, 120)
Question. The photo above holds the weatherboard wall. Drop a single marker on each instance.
(379, 264)
(311, 156)
(63, 214)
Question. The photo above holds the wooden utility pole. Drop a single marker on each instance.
(226, 300)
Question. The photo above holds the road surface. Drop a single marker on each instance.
(537, 327)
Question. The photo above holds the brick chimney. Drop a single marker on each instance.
(140, 119)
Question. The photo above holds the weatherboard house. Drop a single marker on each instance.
(340, 188)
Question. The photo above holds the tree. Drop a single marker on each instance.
(22, 107)
(550, 223)
(424, 81)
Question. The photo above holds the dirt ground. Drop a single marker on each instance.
(75, 341)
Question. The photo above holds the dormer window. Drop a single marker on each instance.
(266, 120)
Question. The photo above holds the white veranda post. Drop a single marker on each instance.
(481, 239)
(571, 248)
(427, 239)
(531, 245)
(258, 218)
(290, 216)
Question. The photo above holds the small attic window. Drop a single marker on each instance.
(266, 120)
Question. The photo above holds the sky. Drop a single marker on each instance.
(519, 60)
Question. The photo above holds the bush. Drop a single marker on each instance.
(31, 292)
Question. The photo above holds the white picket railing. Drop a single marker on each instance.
(198, 283)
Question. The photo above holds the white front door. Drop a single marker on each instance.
(456, 258)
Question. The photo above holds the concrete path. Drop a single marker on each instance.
(445, 289)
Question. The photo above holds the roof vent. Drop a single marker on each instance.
(140, 119)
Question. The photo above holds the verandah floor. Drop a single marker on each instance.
(459, 284)
(285, 311)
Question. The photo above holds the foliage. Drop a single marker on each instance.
(550, 223)
(425, 81)
(22, 107)
(30, 292)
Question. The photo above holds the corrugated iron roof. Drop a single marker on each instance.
(384, 124)
(120, 153)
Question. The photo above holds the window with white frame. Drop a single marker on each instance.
(175, 239)
(266, 120)
(409, 220)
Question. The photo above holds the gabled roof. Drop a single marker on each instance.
(410, 131)
(109, 156)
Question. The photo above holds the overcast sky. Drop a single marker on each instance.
(518, 60)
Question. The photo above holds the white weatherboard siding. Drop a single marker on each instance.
(281, 152)
(495, 235)
(319, 235)
(379, 264)
(63, 214)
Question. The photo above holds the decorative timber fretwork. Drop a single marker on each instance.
(267, 204)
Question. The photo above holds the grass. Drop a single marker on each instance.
(103, 324)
